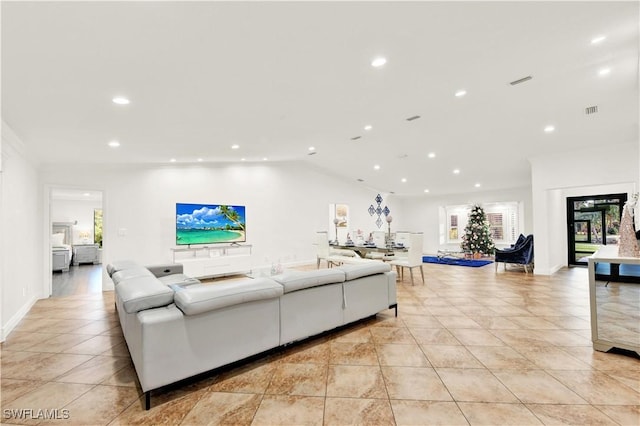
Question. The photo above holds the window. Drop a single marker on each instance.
(496, 228)
(503, 219)
(456, 219)
(97, 226)
(453, 227)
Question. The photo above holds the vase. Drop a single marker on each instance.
(477, 255)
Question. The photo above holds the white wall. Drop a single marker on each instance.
(286, 204)
(609, 169)
(20, 232)
(421, 214)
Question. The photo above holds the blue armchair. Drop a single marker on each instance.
(520, 253)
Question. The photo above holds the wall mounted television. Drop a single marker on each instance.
(210, 224)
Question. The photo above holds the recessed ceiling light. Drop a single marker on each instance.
(200, 160)
(604, 71)
(235, 146)
(312, 148)
(598, 39)
(431, 155)
(477, 185)
(265, 159)
(426, 191)
(376, 167)
(368, 127)
(114, 144)
(461, 93)
(173, 160)
(403, 180)
(549, 129)
(243, 159)
(121, 100)
(456, 171)
(86, 194)
(378, 62)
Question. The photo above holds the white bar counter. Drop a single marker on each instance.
(615, 306)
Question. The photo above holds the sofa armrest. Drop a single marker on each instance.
(372, 267)
(165, 269)
(391, 286)
(140, 293)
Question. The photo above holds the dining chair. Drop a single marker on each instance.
(413, 257)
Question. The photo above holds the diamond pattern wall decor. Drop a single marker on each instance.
(379, 210)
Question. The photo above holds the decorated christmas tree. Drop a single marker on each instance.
(477, 238)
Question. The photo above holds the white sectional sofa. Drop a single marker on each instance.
(176, 327)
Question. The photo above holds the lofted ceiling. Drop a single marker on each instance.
(276, 78)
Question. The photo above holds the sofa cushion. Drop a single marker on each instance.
(178, 279)
(132, 272)
(201, 298)
(298, 280)
(140, 293)
(119, 265)
(364, 269)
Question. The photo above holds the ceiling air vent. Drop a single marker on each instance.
(591, 110)
(312, 153)
(415, 117)
(355, 138)
(360, 180)
(522, 80)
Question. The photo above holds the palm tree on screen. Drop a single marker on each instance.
(232, 215)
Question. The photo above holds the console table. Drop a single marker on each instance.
(212, 261)
(615, 306)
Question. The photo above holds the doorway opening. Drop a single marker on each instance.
(76, 247)
(592, 220)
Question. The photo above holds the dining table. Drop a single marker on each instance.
(363, 250)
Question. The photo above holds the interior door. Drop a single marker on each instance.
(592, 221)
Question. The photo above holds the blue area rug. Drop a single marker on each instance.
(453, 261)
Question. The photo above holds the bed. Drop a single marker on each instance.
(61, 250)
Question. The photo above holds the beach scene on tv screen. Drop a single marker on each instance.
(209, 223)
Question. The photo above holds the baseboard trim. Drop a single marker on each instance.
(550, 271)
(16, 318)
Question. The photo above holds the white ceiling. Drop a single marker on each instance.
(276, 78)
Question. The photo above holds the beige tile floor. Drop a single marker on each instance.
(468, 347)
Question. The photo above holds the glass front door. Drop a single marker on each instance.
(592, 221)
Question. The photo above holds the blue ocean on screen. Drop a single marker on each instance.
(209, 224)
(200, 236)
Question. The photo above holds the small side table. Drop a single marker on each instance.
(85, 253)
